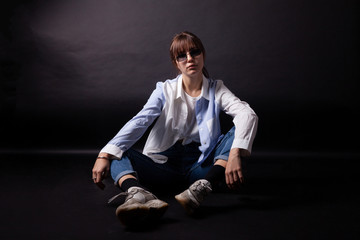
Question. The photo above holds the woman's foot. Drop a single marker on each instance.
(140, 207)
(191, 198)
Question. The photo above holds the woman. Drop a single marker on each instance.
(185, 144)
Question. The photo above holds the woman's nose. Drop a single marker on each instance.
(189, 57)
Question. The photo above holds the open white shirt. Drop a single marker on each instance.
(168, 106)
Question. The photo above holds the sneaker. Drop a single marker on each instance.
(140, 207)
(191, 198)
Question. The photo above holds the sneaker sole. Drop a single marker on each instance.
(186, 204)
(138, 213)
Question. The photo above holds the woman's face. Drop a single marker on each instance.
(190, 63)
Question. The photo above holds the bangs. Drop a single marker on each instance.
(183, 43)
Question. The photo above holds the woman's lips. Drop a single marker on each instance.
(192, 67)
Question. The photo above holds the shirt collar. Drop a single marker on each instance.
(204, 89)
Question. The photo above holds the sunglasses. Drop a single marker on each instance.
(193, 53)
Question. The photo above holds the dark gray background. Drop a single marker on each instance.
(73, 72)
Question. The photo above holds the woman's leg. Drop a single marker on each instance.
(140, 205)
(135, 165)
(217, 158)
(121, 170)
(204, 176)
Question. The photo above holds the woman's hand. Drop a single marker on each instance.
(101, 169)
(233, 171)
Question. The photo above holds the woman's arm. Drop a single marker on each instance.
(245, 121)
(244, 118)
(101, 169)
(128, 135)
(134, 129)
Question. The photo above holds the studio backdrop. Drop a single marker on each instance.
(74, 72)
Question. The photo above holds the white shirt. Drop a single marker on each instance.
(167, 105)
(191, 130)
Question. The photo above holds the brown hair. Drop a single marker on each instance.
(183, 42)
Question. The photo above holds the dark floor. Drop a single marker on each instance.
(286, 196)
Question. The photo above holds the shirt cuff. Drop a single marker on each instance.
(242, 144)
(113, 150)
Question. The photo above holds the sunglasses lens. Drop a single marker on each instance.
(195, 52)
(181, 57)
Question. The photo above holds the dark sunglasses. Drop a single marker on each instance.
(193, 53)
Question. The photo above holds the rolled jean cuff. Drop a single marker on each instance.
(222, 157)
(123, 173)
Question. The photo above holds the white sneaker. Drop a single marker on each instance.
(191, 198)
(140, 206)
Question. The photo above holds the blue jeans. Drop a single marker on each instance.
(181, 167)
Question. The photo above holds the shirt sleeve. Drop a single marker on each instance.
(244, 118)
(134, 129)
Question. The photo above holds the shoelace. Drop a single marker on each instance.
(201, 190)
(127, 194)
(116, 196)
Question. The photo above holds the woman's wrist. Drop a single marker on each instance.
(235, 151)
(104, 156)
